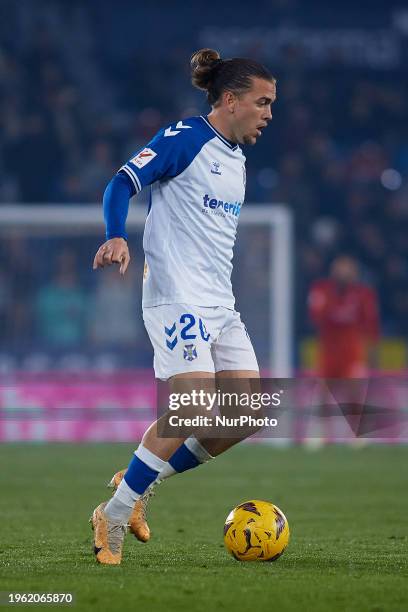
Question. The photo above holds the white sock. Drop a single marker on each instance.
(195, 447)
(120, 507)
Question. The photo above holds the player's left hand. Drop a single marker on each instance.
(112, 251)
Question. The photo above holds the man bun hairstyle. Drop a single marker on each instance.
(214, 75)
(202, 67)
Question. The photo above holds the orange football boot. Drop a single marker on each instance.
(137, 522)
(108, 537)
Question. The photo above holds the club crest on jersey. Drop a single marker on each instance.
(215, 167)
(143, 158)
(190, 352)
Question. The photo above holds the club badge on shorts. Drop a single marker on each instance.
(190, 352)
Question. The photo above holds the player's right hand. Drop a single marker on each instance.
(112, 251)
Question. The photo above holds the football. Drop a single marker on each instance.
(256, 531)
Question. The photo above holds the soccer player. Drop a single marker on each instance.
(196, 170)
(345, 313)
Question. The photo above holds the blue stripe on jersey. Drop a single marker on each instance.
(133, 177)
(171, 151)
(150, 201)
(116, 205)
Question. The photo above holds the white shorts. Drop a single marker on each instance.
(188, 338)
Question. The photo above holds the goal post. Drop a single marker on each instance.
(278, 219)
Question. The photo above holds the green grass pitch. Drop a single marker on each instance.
(347, 510)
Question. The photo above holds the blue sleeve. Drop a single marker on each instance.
(116, 205)
(167, 154)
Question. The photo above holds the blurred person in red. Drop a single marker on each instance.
(346, 315)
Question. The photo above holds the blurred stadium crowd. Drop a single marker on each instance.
(74, 106)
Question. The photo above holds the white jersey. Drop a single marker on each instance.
(197, 180)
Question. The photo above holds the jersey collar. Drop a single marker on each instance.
(231, 145)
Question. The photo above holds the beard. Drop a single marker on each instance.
(248, 140)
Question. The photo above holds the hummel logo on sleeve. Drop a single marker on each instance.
(179, 126)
